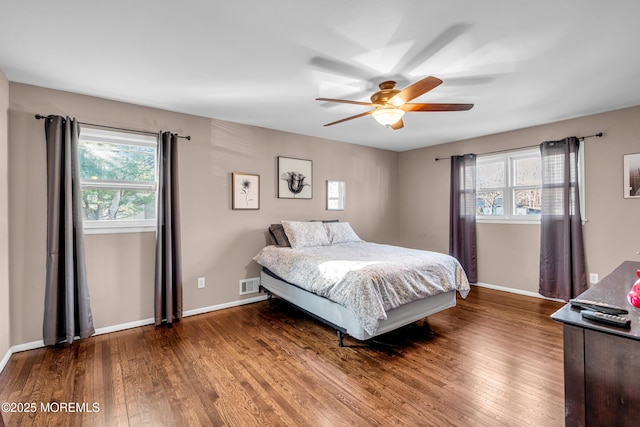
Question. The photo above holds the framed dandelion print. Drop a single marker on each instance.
(245, 191)
(295, 178)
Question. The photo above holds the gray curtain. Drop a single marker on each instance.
(462, 224)
(562, 262)
(168, 276)
(67, 310)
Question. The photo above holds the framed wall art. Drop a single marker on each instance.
(336, 195)
(295, 178)
(245, 191)
(632, 176)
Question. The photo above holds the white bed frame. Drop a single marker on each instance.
(343, 320)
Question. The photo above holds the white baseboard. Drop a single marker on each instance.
(121, 327)
(26, 346)
(515, 291)
(5, 360)
(223, 306)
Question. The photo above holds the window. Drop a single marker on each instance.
(509, 186)
(118, 179)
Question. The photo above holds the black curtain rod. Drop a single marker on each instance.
(581, 138)
(146, 132)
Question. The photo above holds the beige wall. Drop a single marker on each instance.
(4, 219)
(508, 255)
(399, 198)
(218, 242)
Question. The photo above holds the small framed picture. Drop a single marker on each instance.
(295, 178)
(632, 176)
(336, 195)
(245, 191)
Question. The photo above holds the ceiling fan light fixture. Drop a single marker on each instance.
(387, 116)
(390, 104)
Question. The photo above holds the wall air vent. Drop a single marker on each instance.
(249, 286)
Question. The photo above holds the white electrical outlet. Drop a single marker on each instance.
(200, 282)
(593, 278)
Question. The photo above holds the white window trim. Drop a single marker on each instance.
(581, 183)
(120, 226)
(117, 185)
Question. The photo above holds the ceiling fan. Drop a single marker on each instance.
(391, 104)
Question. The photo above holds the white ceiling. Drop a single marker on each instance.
(263, 63)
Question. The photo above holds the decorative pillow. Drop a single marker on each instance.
(302, 234)
(341, 232)
(278, 236)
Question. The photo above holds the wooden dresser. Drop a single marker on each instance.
(602, 363)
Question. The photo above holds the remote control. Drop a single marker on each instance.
(608, 319)
(597, 306)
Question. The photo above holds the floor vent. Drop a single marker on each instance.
(249, 286)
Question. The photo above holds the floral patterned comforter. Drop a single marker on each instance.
(367, 278)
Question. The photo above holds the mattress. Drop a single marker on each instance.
(369, 280)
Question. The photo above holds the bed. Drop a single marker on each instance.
(361, 289)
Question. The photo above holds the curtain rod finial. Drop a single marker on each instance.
(40, 117)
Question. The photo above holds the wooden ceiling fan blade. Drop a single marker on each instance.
(397, 125)
(350, 118)
(436, 107)
(415, 90)
(345, 101)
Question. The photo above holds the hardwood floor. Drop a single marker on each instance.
(495, 359)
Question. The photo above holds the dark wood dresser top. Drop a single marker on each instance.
(612, 289)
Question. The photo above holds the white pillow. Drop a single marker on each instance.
(341, 232)
(302, 234)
